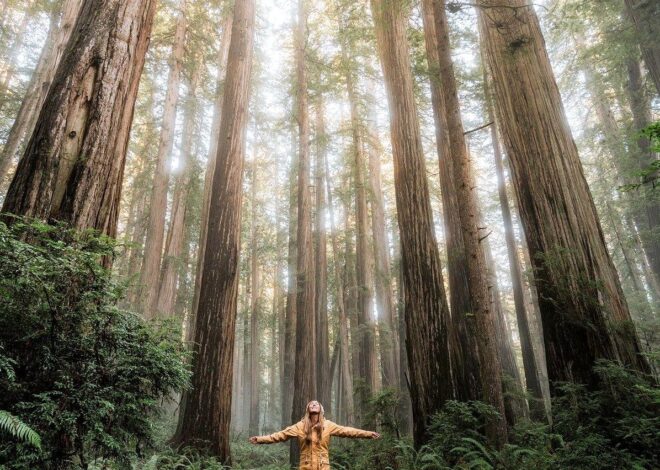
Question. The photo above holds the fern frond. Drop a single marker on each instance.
(18, 429)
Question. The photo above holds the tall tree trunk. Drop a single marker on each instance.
(153, 247)
(515, 406)
(255, 307)
(279, 307)
(463, 345)
(176, 232)
(351, 301)
(481, 324)
(304, 382)
(649, 214)
(290, 317)
(246, 391)
(536, 405)
(206, 415)
(425, 304)
(223, 51)
(645, 16)
(365, 334)
(61, 25)
(647, 217)
(323, 378)
(404, 409)
(585, 316)
(346, 379)
(74, 162)
(387, 335)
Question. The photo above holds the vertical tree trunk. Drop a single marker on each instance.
(246, 391)
(270, 405)
(346, 389)
(290, 317)
(585, 316)
(647, 217)
(176, 233)
(351, 301)
(388, 338)
(481, 322)
(532, 380)
(365, 333)
(304, 382)
(153, 248)
(464, 350)
(426, 310)
(74, 163)
(61, 25)
(323, 377)
(223, 51)
(515, 406)
(255, 308)
(206, 415)
(649, 214)
(279, 307)
(404, 409)
(645, 16)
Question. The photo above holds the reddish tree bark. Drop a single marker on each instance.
(387, 331)
(345, 377)
(585, 315)
(74, 162)
(153, 246)
(304, 382)
(174, 242)
(323, 376)
(365, 332)
(464, 351)
(425, 304)
(206, 415)
(61, 25)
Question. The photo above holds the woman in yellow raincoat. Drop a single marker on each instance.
(313, 432)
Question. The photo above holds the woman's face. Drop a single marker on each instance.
(314, 407)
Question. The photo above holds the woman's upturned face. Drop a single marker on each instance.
(314, 407)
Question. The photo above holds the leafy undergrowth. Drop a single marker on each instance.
(82, 384)
(81, 380)
(614, 428)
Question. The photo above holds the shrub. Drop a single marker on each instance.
(84, 374)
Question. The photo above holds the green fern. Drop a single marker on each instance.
(17, 428)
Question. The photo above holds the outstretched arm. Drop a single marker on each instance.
(280, 436)
(346, 431)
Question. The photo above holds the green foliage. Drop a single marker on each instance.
(17, 428)
(87, 376)
(615, 427)
(188, 458)
(649, 174)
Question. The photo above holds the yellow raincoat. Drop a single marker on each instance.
(314, 455)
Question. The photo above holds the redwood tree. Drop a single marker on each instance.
(425, 305)
(645, 16)
(585, 316)
(323, 376)
(73, 165)
(153, 246)
(481, 319)
(62, 23)
(207, 413)
(464, 353)
(304, 382)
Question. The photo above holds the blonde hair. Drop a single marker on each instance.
(308, 427)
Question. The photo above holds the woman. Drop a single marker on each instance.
(313, 432)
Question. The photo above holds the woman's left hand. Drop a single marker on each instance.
(375, 435)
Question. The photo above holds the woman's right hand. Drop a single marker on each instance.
(253, 440)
